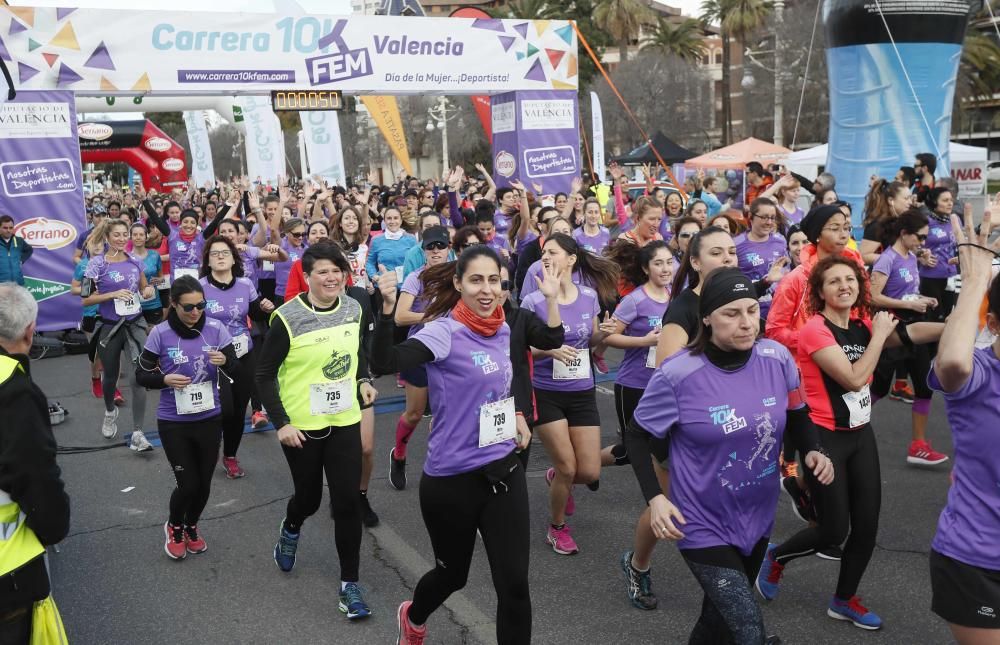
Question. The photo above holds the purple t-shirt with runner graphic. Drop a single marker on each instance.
(189, 357)
(281, 269)
(578, 322)
(184, 255)
(114, 276)
(468, 372)
(641, 315)
(903, 273)
(755, 260)
(593, 243)
(231, 306)
(969, 527)
(725, 432)
(249, 260)
(940, 242)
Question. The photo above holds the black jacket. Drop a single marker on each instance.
(30, 475)
(527, 330)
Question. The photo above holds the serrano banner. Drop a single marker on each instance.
(41, 187)
(202, 168)
(174, 52)
(536, 139)
(321, 133)
(385, 112)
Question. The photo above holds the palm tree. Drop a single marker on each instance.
(622, 19)
(684, 40)
(979, 69)
(529, 9)
(737, 20)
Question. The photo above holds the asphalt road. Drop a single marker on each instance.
(114, 584)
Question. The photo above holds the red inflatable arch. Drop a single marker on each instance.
(157, 158)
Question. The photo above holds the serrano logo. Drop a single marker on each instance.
(156, 144)
(173, 165)
(47, 233)
(94, 131)
(505, 163)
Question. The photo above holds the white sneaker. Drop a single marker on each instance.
(110, 426)
(139, 443)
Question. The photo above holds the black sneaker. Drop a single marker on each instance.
(368, 516)
(640, 584)
(834, 553)
(397, 471)
(801, 504)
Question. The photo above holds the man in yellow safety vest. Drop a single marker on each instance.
(34, 507)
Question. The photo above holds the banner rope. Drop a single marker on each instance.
(586, 145)
(805, 77)
(628, 111)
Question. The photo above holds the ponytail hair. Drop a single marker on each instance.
(909, 221)
(594, 270)
(633, 259)
(438, 281)
(877, 203)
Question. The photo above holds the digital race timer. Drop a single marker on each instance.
(304, 100)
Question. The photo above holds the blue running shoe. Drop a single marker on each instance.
(284, 550)
(352, 602)
(769, 576)
(855, 612)
(640, 584)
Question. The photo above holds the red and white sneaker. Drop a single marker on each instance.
(175, 542)
(119, 399)
(408, 634)
(97, 387)
(193, 541)
(258, 420)
(232, 468)
(560, 539)
(922, 454)
(600, 364)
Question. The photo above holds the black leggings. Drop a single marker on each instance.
(337, 451)
(729, 610)
(235, 397)
(453, 508)
(917, 360)
(847, 509)
(128, 339)
(192, 448)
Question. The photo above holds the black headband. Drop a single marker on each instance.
(722, 287)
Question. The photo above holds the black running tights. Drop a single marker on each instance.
(337, 451)
(453, 508)
(729, 611)
(192, 448)
(235, 397)
(847, 509)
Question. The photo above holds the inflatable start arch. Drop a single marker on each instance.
(157, 158)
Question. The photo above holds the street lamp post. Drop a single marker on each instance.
(439, 116)
(779, 97)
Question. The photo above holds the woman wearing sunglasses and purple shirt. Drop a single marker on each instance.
(184, 357)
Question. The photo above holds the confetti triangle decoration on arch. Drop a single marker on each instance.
(536, 73)
(67, 76)
(66, 38)
(16, 27)
(555, 57)
(488, 23)
(571, 66)
(62, 13)
(541, 26)
(106, 85)
(506, 41)
(33, 45)
(50, 58)
(532, 50)
(562, 85)
(100, 59)
(4, 54)
(522, 29)
(143, 83)
(566, 33)
(520, 55)
(24, 14)
(25, 72)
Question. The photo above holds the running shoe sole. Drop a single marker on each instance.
(392, 461)
(555, 548)
(344, 610)
(920, 461)
(902, 398)
(824, 556)
(838, 616)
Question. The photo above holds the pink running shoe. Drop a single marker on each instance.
(232, 468)
(922, 454)
(562, 542)
(408, 634)
(550, 474)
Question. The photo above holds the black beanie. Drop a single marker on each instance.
(722, 286)
(812, 224)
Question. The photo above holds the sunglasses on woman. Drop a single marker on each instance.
(921, 237)
(436, 246)
(296, 235)
(188, 308)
